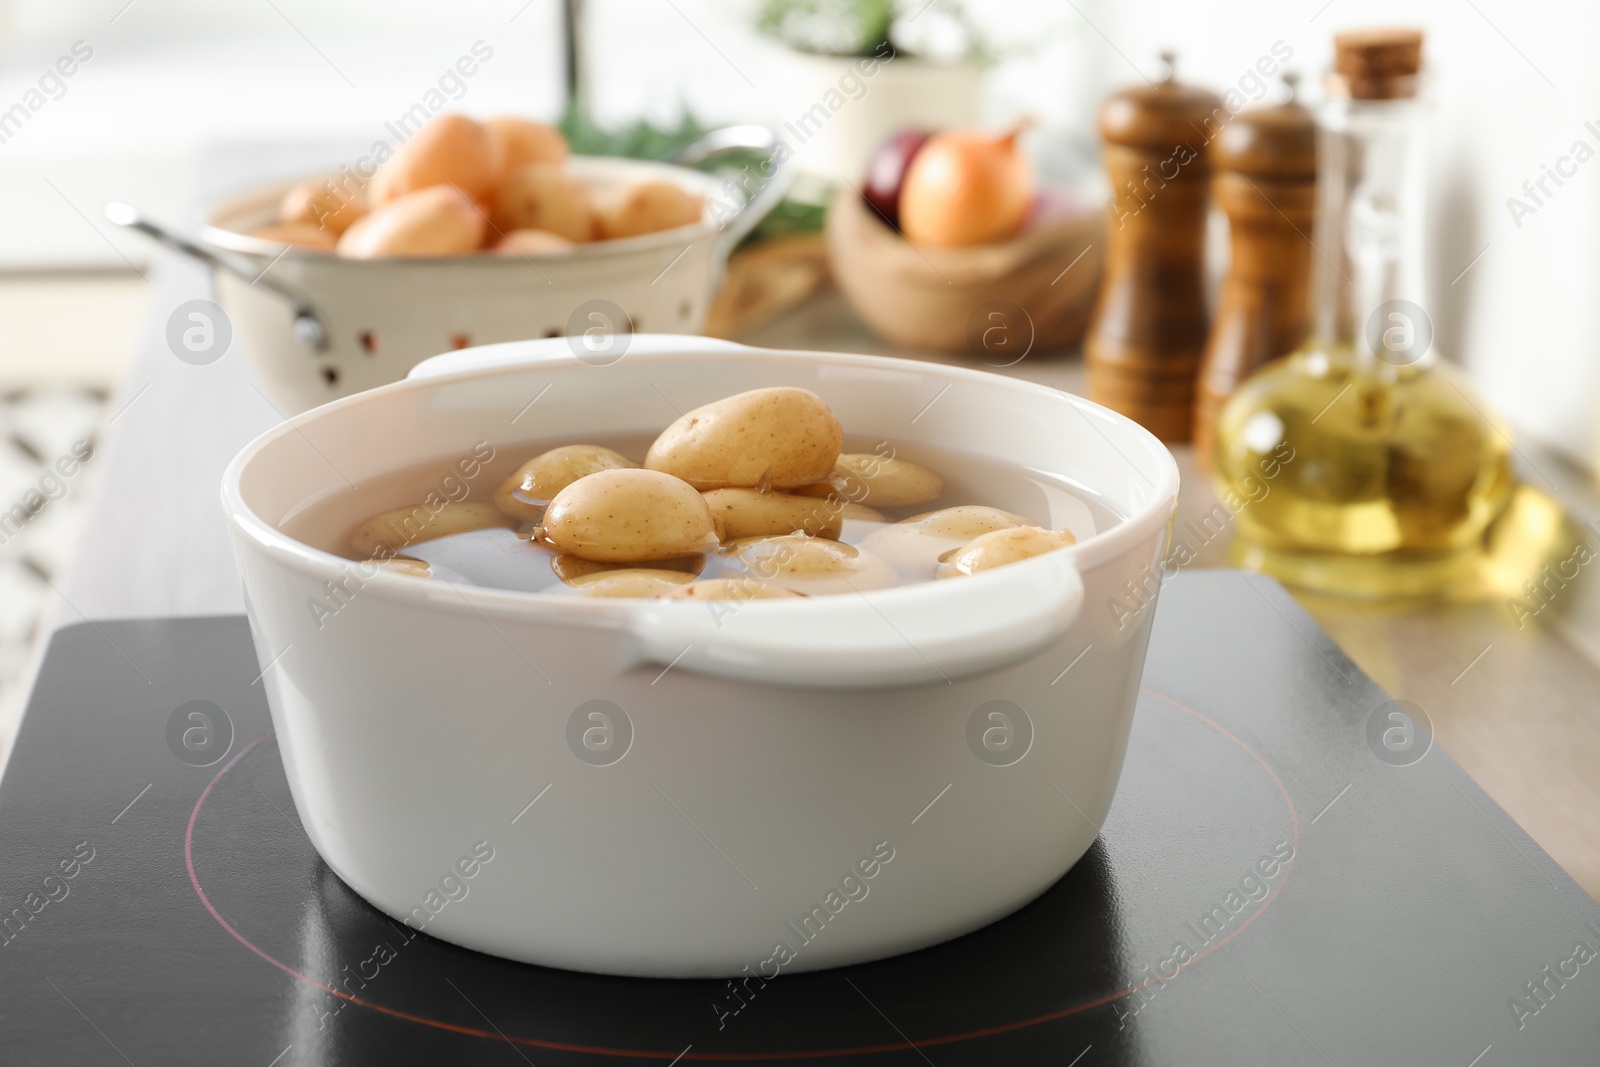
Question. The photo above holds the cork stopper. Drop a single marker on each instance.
(1277, 142)
(1163, 114)
(1377, 64)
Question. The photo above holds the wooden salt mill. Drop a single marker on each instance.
(1266, 181)
(1149, 324)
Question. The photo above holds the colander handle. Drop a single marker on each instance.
(770, 185)
(307, 326)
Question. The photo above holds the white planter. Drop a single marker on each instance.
(833, 114)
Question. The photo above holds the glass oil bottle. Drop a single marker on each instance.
(1386, 468)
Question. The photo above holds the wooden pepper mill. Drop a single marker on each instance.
(1149, 324)
(1266, 181)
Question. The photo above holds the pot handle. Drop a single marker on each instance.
(930, 634)
(770, 188)
(307, 327)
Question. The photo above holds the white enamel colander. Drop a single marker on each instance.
(316, 326)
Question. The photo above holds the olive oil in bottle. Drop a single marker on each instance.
(1387, 469)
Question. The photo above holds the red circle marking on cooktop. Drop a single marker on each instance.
(824, 1053)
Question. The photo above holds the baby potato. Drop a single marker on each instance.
(752, 513)
(967, 521)
(439, 221)
(1000, 547)
(634, 515)
(530, 489)
(387, 533)
(861, 513)
(515, 142)
(299, 234)
(411, 568)
(812, 565)
(450, 150)
(570, 568)
(916, 544)
(543, 196)
(779, 438)
(881, 481)
(729, 589)
(630, 582)
(322, 206)
(532, 243)
(646, 207)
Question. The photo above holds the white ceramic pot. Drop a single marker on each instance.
(745, 771)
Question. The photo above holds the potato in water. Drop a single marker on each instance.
(997, 548)
(862, 513)
(628, 516)
(916, 544)
(630, 582)
(440, 221)
(729, 589)
(530, 489)
(389, 533)
(411, 568)
(572, 568)
(812, 565)
(966, 521)
(752, 513)
(878, 481)
(778, 438)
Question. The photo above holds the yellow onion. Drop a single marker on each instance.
(967, 187)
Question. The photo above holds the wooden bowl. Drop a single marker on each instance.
(1033, 292)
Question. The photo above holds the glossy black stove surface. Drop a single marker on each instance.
(1282, 880)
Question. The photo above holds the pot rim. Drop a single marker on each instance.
(484, 601)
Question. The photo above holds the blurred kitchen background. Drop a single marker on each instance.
(159, 85)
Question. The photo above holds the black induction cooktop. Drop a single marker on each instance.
(1292, 873)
